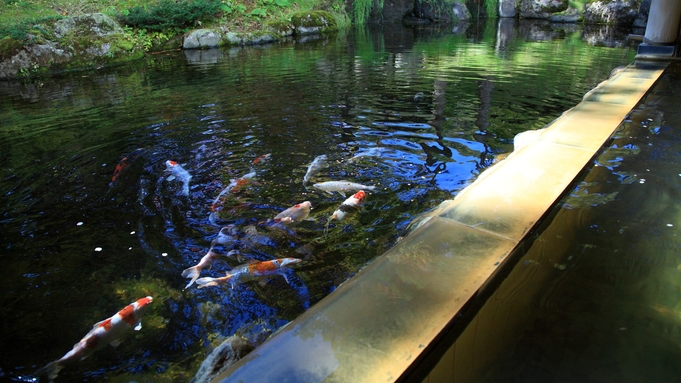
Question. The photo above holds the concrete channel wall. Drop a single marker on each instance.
(386, 321)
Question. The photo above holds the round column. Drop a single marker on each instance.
(663, 22)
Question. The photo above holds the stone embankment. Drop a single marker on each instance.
(95, 40)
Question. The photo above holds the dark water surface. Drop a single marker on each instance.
(426, 110)
(597, 298)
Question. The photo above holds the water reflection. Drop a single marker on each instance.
(355, 99)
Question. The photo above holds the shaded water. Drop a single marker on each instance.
(597, 296)
(423, 110)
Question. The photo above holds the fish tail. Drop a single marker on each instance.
(326, 230)
(193, 273)
(51, 370)
(208, 281)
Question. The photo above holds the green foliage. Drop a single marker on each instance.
(24, 30)
(361, 10)
(170, 14)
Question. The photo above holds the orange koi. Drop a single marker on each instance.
(123, 164)
(257, 269)
(109, 330)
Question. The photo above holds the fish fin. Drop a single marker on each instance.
(170, 178)
(326, 230)
(342, 193)
(370, 187)
(51, 370)
(94, 326)
(193, 273)
(115, 343)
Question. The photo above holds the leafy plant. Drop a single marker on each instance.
(170, 14)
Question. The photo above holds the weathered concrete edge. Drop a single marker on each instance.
(375, 325)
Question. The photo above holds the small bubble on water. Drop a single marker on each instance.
(132, 232)
(98, 249)
(642, 181)
(103, 165)
(79, 224)
(130, 248)
(670, 224)
(164, 254)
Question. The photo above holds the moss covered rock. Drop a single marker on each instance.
(313, 22)
(611, 12)
(75, 43)
(541, 9)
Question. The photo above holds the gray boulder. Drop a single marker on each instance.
(616, 12)
(541, 9)
(93, 24)
(202, 39)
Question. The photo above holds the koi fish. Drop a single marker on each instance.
(317, 164)
(205, 262)
(238, 182)
(295, 213)
(257, 269)
(177, 171)
(109, 330)
(262, 158)
(347, 206)
(371, 152)
(123, 164)
(341, 187)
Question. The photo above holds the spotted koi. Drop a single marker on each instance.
(257, 269)
(109, 330)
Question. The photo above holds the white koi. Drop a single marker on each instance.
(256, 269)
(295, 213)
(178, 172)
(205, 262)
(109, 330)
(317, 164)
(341, 187)
(350, 204)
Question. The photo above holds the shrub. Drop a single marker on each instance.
(170, 14)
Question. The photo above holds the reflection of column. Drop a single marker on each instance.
(439, 102)
(663, 22)
(486, 87)
(505, 34)
(507, 8)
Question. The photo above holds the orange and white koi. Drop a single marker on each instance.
(262, 158)
(252, 270)
(295, 213)
(341, 187)
(238, 182)
(109, 330)
(350, 204)
(177, 171)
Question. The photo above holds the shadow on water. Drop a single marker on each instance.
(91, 222)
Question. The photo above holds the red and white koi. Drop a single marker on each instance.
(252, 270)
(350, 204)
(295, 213)
(341, 187)
(178, 172)
(109, 330)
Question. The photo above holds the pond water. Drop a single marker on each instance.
(91, 222)
(596, 297)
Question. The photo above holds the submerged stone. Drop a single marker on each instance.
(221, 358)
